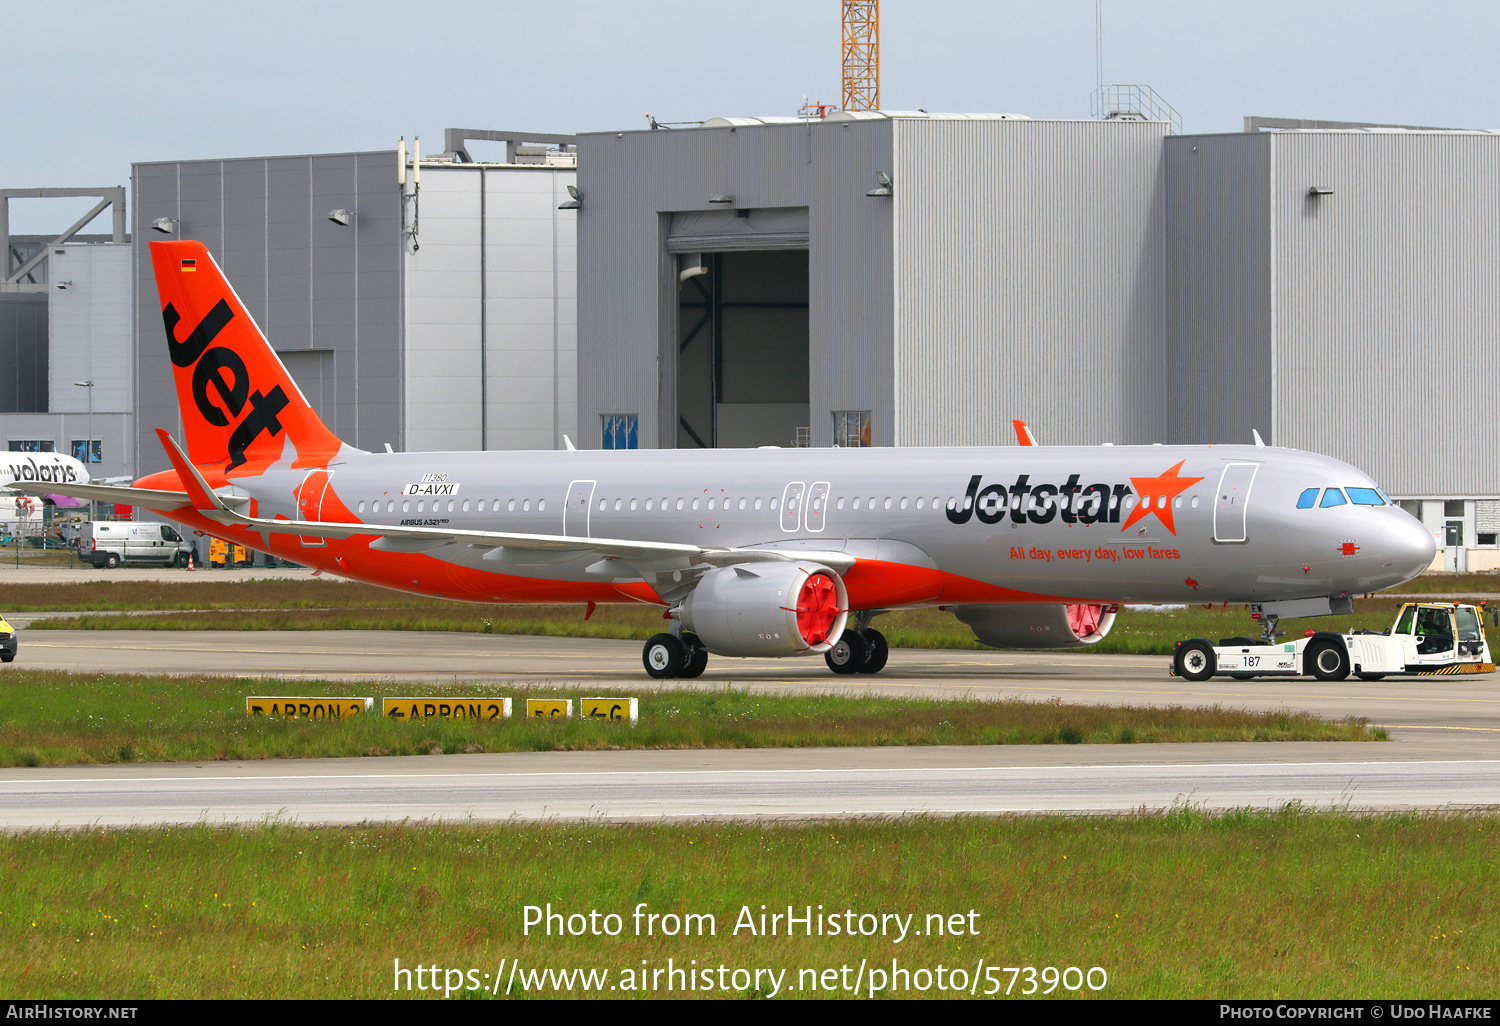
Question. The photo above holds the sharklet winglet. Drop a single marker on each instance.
(199, 493)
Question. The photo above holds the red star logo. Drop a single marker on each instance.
(1159, 491)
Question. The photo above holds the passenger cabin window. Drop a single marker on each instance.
(1308, 499)
(1365, 497)
(1332, 497)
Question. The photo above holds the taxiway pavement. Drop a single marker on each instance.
(1445, 752)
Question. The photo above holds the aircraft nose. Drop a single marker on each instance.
(1410, 547)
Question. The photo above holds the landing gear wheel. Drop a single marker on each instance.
(1195, 660)
(697, 655)
(664, 656)
(848, 653)
(1370, 676)
(879, 652)
(112, 560)
(1327, 661)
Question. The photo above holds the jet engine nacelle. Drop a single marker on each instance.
(767, 609)
(1038, 626)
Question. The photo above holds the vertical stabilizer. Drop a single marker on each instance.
(239, 405)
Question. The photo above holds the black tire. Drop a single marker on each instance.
(697, 656)
(112, 560)
(880, 651)
(1370, 676)
(1326, 660)
(664, 656)
(7, 657)
(1195, 660)
(847, 654)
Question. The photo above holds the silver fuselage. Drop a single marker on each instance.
(999, 524)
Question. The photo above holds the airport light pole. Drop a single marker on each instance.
(88, 443)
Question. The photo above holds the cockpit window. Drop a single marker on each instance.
(1408, 615)
(1365, 497)
(1332, 497)
(1308, 499)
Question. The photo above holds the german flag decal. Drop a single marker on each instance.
(190, 264)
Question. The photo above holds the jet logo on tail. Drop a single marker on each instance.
(210, 367)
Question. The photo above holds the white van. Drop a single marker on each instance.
(126, 541)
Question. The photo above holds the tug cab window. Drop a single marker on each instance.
(1435, 630)
(1408, 617)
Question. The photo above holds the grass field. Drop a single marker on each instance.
(50, 718)
(1176, 905)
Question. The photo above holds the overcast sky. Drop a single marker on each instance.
(93, 85)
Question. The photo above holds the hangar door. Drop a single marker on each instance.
(742, 327)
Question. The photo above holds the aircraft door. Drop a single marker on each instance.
(576, 509)
(1233, 501)
(817, 503)
(310, 502)
(791, 506)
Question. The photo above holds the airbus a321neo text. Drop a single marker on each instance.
(760, 552)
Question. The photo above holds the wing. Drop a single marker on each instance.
(654, 561)
(150, 498)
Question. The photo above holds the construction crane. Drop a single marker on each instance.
(861, 54)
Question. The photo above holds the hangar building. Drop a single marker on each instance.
(876, 278)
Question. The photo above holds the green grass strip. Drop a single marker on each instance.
(53, 718)
(1241, 905)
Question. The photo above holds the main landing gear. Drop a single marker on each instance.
(666, 656)
(858, 651)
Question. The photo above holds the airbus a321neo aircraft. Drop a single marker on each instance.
(762, 552)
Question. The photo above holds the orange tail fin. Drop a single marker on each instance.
(239, 405)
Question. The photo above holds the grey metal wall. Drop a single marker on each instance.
(1031, 281)
(310, 284)
(627, 282)
(1218, 343)
(1362, 323)
(1387, 316)
(490, 301)
(23, 353)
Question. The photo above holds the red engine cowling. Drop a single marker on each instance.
(1038, 626)
(767, 609)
